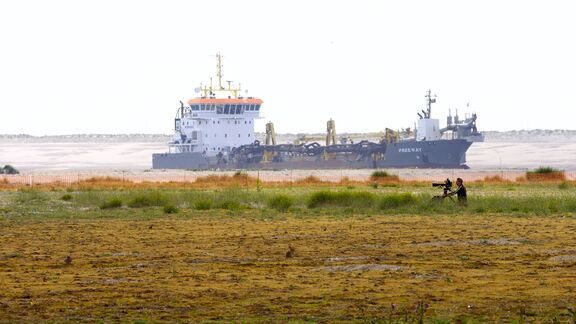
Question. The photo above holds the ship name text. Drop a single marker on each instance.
(410, 149)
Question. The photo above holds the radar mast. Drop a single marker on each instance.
(210, 91)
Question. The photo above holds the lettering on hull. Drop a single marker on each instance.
(409, 150)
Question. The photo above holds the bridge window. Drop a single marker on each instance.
(226, 109)
(219, 109)
(257, 107)
(202, 107)
(194, 107)
(238, 109)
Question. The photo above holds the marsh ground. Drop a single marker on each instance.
(231, 264)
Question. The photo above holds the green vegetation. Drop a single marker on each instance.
(506, 198)
(203, 204)
(545, 174)
(379, 174)
(281, 202)
(544, 170)
(394, 200)
(112, 203)
(148, 199)
(358, 199)
(170, 209)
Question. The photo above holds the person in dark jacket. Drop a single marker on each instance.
(460, 191)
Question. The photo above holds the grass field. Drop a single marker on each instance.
(353, 253)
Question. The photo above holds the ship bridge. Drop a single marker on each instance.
(232, 106)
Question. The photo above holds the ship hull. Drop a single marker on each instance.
(404, 154)
(426, 154)
(182, 161)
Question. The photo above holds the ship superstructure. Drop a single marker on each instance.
(218, 119)
(216, 131)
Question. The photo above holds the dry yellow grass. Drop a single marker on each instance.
(216, 266)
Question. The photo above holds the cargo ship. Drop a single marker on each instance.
(215, 130)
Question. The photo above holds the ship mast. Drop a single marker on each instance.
(211, 91)
(429, 102)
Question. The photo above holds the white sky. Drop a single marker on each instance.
(122, 66)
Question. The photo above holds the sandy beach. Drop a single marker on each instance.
(70, 161)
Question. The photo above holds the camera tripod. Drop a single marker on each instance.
(441, 198)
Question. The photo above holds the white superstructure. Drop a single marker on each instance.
(428, 128)
(215, 121)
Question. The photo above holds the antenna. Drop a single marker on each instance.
(219, 70)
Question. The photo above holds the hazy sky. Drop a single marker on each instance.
(123, 66)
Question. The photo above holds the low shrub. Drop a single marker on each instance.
(360, 199)
(544, 169)
(546, 174)
(148, 200)
(309, 180)
(66, 197)
(230, 205)
(379, 174)
(380, 177)
(239, 179)
(112, 203)
(281, 203)
(396, 200)
(30, 195)
(203, 204)
(170, 209)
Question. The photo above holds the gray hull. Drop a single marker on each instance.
(426, 154)
(182, 161)
(405, 154)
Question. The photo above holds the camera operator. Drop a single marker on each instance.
(460, 191)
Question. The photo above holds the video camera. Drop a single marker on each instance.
(446, 185)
